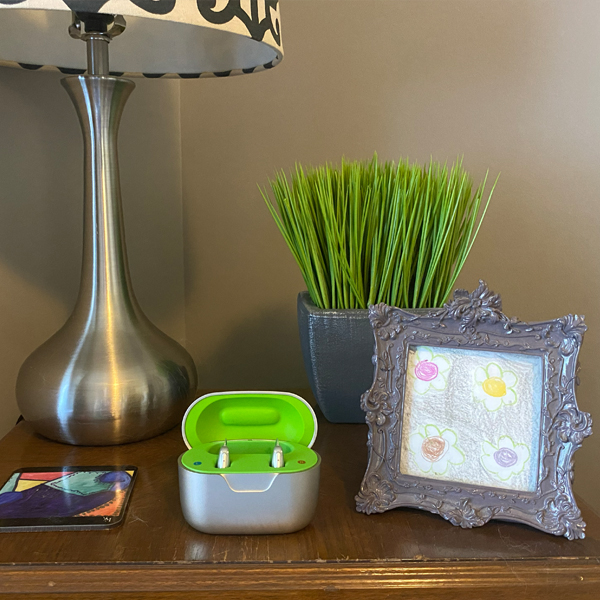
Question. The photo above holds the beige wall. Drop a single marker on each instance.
(41, 212)
(512, 84)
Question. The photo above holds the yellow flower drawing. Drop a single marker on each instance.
(494, 386)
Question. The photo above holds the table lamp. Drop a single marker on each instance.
(109, 376)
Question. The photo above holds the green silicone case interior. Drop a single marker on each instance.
(249, 456)
(250, 422)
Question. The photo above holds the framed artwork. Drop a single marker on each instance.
(473, 415)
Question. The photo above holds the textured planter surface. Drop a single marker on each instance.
(337, 346)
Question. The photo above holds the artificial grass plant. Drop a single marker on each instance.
(370, 232)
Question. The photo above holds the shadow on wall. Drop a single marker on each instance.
(40, 170)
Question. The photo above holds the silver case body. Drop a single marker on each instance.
(246, 503)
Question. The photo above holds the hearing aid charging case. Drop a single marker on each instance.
(249, 496)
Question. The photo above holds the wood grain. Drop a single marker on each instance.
(341, 554)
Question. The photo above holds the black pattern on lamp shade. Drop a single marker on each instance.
(69, 71)
(259, 18)
(256, 26)
(232, 10)
(90, 6)
(157, 7)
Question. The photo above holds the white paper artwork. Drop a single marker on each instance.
(472, 416)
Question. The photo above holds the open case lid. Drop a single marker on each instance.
(249, 415)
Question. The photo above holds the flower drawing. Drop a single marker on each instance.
(430, 371)
(494, 386)
(433, 449)
(505, 460)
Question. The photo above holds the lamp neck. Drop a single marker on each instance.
(97, 53)
(105, 283)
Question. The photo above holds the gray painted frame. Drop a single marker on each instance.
(476, 321)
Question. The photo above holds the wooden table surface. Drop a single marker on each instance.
(341, 554)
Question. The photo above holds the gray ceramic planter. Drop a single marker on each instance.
(337, 346)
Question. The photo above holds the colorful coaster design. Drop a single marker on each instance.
(59, 494)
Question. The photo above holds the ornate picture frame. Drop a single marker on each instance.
(496, 485)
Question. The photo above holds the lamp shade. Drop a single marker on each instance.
(173, 38)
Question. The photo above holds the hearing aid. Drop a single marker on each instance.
(277, 460)
(223, 461)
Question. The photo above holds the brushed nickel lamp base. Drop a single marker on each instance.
(108, 376)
